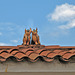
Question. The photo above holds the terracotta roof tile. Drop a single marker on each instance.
(28, 53)
(57, 51)
(35, 52)
(11, 50)
(40, 50)
(33, 60)
(68, 55)
(62, 53)
(5, 55)
(44, 53)
(3, 51)
(52, 47)
(72, 51)
(20, 55)
(26, 50)
(48, 59)
(33, 56)
(14, 52)
(64, 59)
(52, 55)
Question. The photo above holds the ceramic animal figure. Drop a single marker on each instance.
(35, 37)
(26, 38)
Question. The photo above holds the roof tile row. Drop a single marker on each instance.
(33, 54)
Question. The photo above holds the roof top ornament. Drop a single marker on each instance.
(35, 37)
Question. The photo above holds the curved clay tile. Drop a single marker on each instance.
(44, 53)
(20, 59)
(26, 50)
(64, 59)
(68, 55)
(57, 51)
(14, 52)
(29, 52)
(62, 53)
(72, 51)
(20, 55)
(40, 50)
(52, 55)
(48, 59)
(33, 56)
(3, 51)
(34, 59)
(5, 55)
(10, 50)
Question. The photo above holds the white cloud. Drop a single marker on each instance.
(15, 41)
(64, 13)
(4, 44)
(71, 24)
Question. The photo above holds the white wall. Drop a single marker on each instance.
(39, 66)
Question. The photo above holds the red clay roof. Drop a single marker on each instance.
(36, 52)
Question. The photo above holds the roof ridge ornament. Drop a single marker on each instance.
(35, 37)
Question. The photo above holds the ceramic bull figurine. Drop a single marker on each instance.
(26, 38)
(35, 37)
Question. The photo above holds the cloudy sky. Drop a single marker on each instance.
(55, 20)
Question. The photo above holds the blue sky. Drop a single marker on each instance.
(55, 20)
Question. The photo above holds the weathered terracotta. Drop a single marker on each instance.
(26, 38)
(36, 52)
(35, 37)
